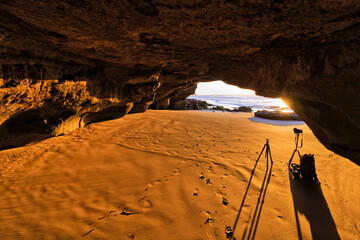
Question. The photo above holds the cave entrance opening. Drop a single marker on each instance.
(222, 96)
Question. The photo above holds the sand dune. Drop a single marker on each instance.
(174, 175)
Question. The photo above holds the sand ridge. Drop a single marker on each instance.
(174, 175)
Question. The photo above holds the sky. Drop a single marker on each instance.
(221, 88)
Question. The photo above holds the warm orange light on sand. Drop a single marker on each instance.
(174, 175)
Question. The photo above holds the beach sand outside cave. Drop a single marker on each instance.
(165, 175)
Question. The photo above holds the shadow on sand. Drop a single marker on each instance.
(250, 230)
(309, 201)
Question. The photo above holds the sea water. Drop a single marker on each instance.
(255, 102)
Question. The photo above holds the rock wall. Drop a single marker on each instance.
(65, 64)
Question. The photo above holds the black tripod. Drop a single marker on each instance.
(298, 135)
(229, 232)
(294, 168)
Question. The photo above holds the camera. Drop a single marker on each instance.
(297, 131)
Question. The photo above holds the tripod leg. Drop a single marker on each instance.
(261, 152)
(291, 157)
(270, 156)
(267, 156)
(247, 189)
(299, 154)
(257, 160)
(266, 149)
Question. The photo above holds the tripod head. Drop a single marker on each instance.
(297, 131)
(298, 135)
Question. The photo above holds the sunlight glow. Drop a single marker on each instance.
(283, 104)
(230, 96)
(221, 88)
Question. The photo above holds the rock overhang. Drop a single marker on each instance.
(68, 63)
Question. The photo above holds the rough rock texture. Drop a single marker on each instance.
(242, 109)
(194, 104)
(239, 109)
(63, 61)
(277, 115)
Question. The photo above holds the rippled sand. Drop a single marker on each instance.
(174, 175)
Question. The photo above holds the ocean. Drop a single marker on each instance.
(256, 103)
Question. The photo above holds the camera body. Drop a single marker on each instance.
(297, 131)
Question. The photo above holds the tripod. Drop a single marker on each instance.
(298, 135)
(295, 168)
(267, 154)
(229, 232)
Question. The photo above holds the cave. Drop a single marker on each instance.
(67, 64)
(95, 142)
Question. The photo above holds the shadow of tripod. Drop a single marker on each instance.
(261, 198)
(308, 200)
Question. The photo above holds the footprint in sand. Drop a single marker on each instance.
(281, 219)
(210, 220)
(127, 211)
(208, 181)
(225, 201)
(177, 171)
(131, 236)
(279, 215)
(152, 184)
(147, 204)
(110, 212)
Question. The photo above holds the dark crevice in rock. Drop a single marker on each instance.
(111, 112)
(152, 40)
(145, 7)
(31, 125)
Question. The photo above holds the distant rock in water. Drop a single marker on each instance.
(277, 115)
(239, 109)
(242, 109)
(194, 104)
(221, 108)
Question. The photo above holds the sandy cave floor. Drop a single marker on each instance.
(165, 175)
